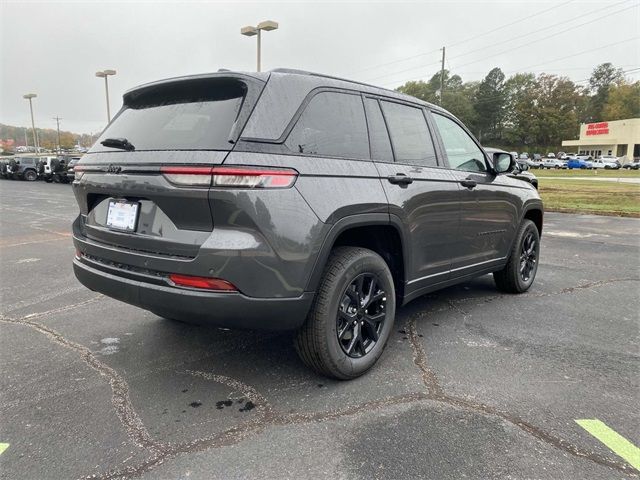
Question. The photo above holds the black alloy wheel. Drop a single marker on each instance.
(361, 315)
(528, 256)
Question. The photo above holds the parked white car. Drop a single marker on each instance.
(606, 161)
(550, 162)
(551, 155)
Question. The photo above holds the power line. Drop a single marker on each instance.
(509, 40)
(546, 61)
(582, 52)
(548, 27)
(462, 41)
(396, 61)
(540, 39)
(501, 27)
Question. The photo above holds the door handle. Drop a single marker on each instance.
(469, 183)
(400, 179)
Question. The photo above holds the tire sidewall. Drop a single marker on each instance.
(353, 367)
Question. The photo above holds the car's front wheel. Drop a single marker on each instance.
(351, 317)
(518, 274)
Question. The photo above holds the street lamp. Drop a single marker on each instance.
(105, 74)
(250, 31)
(30, 96)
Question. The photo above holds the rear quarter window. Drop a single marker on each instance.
(333, 125)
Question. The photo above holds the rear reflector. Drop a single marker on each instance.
(202, 282)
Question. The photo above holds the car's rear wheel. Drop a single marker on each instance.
(351, 317)
(30, 175)
(520, 271)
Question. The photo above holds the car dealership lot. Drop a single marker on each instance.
(472, 383)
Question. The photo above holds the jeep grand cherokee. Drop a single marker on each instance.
(292, 200)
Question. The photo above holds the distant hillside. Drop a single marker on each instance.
(12, 137)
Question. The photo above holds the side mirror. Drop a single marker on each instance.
(503, 162)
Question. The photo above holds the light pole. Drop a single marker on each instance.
(105, 74)
(250, 31)
(30, 96)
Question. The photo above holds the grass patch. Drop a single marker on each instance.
(622, 173)
(585, 196)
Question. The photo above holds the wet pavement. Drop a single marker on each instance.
(473, 383)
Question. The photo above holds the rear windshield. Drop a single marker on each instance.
(193, 115)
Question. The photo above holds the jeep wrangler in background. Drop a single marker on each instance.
(288, 200)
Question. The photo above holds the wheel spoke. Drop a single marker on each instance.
(360, 289)
(344, 330)
(372, 330)
(378, 296)
(354, 339)
(353, 296)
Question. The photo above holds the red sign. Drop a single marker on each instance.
(601, 128)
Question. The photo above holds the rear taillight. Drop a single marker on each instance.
(249, 177)
(232, 177)
(188, 176)
(78, 173)
(202, 282)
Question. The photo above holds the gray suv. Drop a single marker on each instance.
(288, 200)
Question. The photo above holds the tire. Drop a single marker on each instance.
(516, 276)
(335, 306)
(30, 175)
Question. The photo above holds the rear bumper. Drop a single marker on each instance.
(230, 310)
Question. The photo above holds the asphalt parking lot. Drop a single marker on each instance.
(473, 383)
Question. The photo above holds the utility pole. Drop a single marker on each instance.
(57, 119)
(26, 140)
(442, 78)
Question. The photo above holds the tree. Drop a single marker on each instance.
(603, 77)
(623, 102)
(557, 104)
(457, 94)
(489, 103)
(521, 124)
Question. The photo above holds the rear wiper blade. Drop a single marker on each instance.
(121, 143)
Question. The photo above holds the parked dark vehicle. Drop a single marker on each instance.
(23, 168)
(4, 164)
(291, 200)
(72, 161)
(55, 169)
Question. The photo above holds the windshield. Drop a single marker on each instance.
(182, 116)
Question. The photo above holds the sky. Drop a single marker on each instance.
(54, 48)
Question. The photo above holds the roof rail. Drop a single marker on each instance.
(322, 75)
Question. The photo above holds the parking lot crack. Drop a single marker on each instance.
(437, 393)
(120, 389)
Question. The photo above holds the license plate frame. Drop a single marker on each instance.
(122, 215)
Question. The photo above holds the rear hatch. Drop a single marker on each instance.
(144, 184)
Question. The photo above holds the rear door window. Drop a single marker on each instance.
(332, 125)
(193, 116)
(410, 137)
